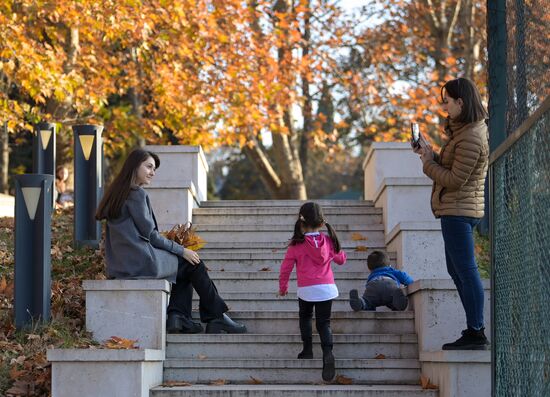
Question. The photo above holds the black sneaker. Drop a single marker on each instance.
(470, 340)
(355, 302)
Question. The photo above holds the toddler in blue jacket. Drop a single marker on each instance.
(383, 287)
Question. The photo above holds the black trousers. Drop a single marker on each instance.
(190, 277)
(322, 321)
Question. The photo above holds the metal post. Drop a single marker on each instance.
(498, 104)
(33, 208)
(88, 180)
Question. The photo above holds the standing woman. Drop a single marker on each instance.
(458, 173)
(134, 249)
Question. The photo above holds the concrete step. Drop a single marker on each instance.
(270, 390)
(325, 204)
(371, 234)
(264, 281)
(273, 265)
(341, 216)
(289, 371)
(361, 346)
(342, 322)
(229, 254)
(231, 247)
(260, 301)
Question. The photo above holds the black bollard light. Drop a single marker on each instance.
(88, 183)
(43, 149)
(33, 209)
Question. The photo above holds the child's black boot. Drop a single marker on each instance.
(471, 339)
(307, 351)
(328, 364)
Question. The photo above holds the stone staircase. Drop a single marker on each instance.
(246, 241)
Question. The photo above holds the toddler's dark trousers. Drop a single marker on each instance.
(322, 321)
(382, 292)
(190, 276)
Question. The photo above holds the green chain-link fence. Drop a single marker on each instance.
(520, 196)
(521, 264)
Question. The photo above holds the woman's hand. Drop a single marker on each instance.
(426, 153)
(191, 256)
(282, 293)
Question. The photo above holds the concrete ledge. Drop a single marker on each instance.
(59, 355)
(126, 285)
(422, 181)
(434, 225)
(438, 313)
(460, 373)
(420, 249)
(173, 202)
(132, 309)
(105, 372)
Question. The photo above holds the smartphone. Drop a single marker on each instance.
(415, 134)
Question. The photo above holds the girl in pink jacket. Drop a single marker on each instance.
(312, 252)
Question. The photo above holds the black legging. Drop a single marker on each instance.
(190, 277)
(322, 321)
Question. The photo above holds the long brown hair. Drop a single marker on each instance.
(311, 215)
(117, 193)
(472, 106)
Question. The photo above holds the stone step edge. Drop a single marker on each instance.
(293, 314)
(287, 363)
(290, 338)
(293, 387)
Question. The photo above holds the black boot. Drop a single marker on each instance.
(225, 324)
(180, 324)
(470, 340)
(307, 351)
(328, 364)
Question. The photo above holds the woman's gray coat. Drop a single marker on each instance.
(134, 247)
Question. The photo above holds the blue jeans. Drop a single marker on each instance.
(462, 267)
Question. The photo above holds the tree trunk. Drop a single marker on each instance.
(307, 106)
(286, 181)
(4, 158)
(60, 110)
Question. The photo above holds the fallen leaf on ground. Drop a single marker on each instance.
(358, 237)
(202, 357)
(255, 381)
(265, 269)
(380, 356)
(343, 380)
(361, 248)
(218, 382)
(425, 382)
(21, 388)
(116, 342)
(175, 383)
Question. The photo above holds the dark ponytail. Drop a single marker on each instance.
(311, 215)
(334, 237)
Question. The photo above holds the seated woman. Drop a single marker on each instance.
(134, 249)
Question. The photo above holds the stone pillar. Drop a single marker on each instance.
(179, 184)
(131, 309)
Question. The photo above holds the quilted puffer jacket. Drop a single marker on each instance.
(459, 171)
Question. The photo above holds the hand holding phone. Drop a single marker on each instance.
(415, 134)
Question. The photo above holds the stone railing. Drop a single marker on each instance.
(394, 181)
